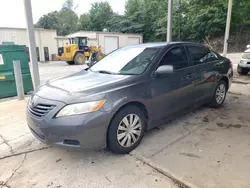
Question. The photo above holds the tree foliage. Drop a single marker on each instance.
(68, 20)
(65, 21)
(99, 14)
(84, 22)
(118, 23)
(194, 20)
(48, 21)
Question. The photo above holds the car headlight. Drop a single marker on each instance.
(80, 108)
(243, 61)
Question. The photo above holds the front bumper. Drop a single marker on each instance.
(244, 63)
(85, 131)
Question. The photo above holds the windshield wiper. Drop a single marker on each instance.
(105, 72)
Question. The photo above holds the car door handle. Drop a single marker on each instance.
(217, 65)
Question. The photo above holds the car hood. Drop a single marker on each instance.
(247, 51)
(77, 86)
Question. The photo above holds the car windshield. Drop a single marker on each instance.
(128, 61)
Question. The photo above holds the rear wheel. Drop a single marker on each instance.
(126, 130)
(70, 62)
(242, 71)
(219, 95)
(79, 59)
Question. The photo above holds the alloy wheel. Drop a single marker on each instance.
(220, 93)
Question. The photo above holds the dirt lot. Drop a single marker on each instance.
(204, 148)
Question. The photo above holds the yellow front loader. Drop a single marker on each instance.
(78, 52)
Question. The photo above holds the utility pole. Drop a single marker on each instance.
(32, 44)
(229, 14)
(169, 31)
(179, 19)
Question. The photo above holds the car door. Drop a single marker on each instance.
(206, 64)
(172, 92)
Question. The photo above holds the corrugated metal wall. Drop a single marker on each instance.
(99, 38)
(44, 38)
(122, 40)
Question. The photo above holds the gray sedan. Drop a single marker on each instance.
(133, 89)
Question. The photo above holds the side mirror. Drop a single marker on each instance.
(164, 69)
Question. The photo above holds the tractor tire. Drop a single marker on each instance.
(97, 56)
(70, 62)
(79, 59)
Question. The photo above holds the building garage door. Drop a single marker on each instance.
(110, 44)
(133, 40)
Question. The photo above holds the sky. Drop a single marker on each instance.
(12, 11)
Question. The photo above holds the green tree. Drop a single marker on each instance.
(84, 22)
(119, 23)
(65, 21)
(68, 5)
(147, 13)
(99, 14)
(194, 20)
(48, 21)
(68, 18)
(133, 7)
(241, 15)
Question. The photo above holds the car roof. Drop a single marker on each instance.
(161, 44)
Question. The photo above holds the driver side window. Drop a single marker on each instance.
(176, 57)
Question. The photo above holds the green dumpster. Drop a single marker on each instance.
(9, 53)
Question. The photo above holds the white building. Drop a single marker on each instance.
(47, 41)
(108, 40)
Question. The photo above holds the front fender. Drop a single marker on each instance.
(139, 93)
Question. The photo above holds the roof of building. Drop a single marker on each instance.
(36, 29)
(98, 32)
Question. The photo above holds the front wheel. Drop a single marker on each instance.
(242, 71)
(126, 130)
(219, 94)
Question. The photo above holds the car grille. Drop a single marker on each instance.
(40, 110)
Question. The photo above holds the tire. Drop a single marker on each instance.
(242, 71)
(97, 56)
(79, 59)
(217, 101)
(70, 62)
(122, 145)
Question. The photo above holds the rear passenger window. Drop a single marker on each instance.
(200, 55)
(176, 57)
